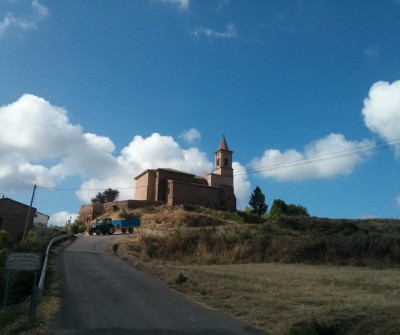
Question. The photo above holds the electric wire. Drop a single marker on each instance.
(310, 160)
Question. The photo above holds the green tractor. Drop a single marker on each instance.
(103, 226)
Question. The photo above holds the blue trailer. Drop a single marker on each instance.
(108, 226)
(125, 225)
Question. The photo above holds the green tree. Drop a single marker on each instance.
(108, 195)
(297, 210)
(257, 202)
(278, 208)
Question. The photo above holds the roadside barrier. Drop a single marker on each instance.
(38, 290)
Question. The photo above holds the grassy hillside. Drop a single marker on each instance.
(204, 236)
(297, 275)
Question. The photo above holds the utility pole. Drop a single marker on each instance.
(27, 217)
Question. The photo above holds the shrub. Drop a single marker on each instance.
(312, 328)
(3, 239)
(249, 217)
(129, 214)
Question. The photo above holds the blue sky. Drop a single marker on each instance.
(307, 94)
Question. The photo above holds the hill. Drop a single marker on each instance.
(196, 235)
(295, 275)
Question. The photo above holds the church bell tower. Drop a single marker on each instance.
(223, 164)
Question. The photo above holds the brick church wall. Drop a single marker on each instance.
(193, 194)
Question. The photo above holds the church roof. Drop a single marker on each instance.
(223, 145)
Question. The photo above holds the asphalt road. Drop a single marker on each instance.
(102, 294)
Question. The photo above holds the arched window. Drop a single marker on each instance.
(218, 161)
(226, 161)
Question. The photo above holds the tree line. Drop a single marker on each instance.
(258, 209)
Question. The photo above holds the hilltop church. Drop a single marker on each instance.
(174, 187)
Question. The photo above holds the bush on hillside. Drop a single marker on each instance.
(3, 239)
(126, 214)
(304, 240)
(279, 208)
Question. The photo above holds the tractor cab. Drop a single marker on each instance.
(103, 226)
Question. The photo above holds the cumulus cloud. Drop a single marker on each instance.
(34, 131)
(241, 185)
(382, 110)
(18, 174)
(10, 20)
(39, 145)
(230, 32)
(182, 4)
(315, 162)
(398, 200)
(191, 135)
(61, 218)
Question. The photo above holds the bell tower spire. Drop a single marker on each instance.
(223, 163)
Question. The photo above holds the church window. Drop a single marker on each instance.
(226, 161)
(217, 161)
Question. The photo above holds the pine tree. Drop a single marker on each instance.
(257, 202)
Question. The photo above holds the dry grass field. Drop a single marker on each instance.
(289, 277)
(276, 297)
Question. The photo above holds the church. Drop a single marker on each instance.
(174, 187)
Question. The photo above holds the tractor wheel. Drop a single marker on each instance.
(123, 230)
(110, 230)
(130, 230)
(98, 232)
(91, 231)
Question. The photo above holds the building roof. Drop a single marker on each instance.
(223, 145)
(163, 169)
(5, 200)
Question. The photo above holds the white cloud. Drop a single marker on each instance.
(241, 185)
(182, 4)
(382, 110)
(292, 165)
(230, 32)
(35, 132)
(36, 129)
(398, 200)
(39, 145)
(10, 21)
(18, 174)
(191, 135)
(61, 218)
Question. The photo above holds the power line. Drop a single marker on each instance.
(325, 157)
(311, 160)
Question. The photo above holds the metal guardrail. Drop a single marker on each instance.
(38, 290)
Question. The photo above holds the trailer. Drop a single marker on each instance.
(126, 225)
(108, 226)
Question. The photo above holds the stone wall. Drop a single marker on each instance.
(192, 194)
(93, 211)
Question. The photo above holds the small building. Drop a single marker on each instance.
(174, 187)
(13, 216)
